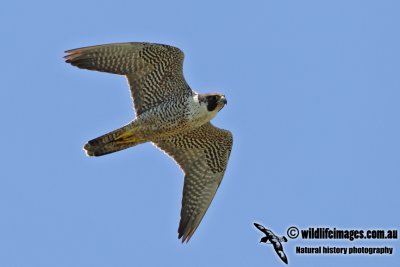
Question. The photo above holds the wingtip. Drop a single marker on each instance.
(69, 51)
(185, 237)
(184, 240)
(72, 54)
(185, 233)
(258, 226)
(67, 57)
(77, 50)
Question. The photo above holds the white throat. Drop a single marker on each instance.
(199, 112)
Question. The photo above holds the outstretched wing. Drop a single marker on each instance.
(279, 250)
(154, 71)
(203, 155)
(261, 228)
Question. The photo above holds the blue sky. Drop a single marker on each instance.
(313, 92)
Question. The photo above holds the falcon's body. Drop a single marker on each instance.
(169, 114)
(178, 115)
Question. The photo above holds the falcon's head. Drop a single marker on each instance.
(214, 101)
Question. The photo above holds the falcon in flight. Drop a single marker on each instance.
(169, 114)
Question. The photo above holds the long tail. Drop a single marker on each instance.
(114, 141)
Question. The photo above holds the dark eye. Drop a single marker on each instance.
(212, 103)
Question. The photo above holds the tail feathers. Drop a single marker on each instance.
(114, 141)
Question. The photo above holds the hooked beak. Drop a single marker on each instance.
(223, 100)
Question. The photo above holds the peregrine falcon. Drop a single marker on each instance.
(169, 114)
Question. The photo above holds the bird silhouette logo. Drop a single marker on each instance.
(273, 240)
